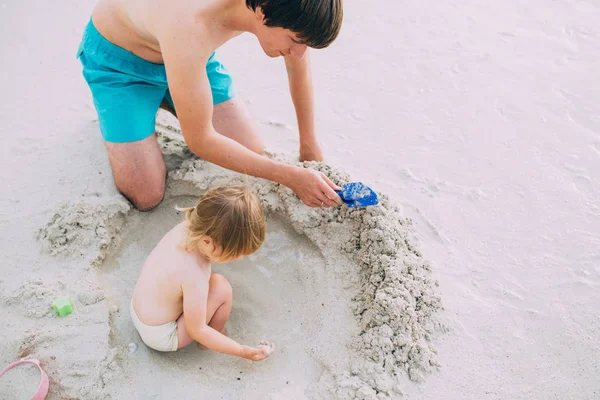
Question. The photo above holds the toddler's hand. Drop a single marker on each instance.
(254, 354)
(270, 347)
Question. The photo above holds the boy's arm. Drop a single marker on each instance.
(185, 56)
(301, 90)
(195, 293)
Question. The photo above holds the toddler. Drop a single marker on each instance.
(177, 299)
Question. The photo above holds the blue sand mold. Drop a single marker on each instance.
(357, 194)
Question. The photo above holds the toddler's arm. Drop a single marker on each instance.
(195, 292)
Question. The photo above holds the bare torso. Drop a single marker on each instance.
(158, 295)
(133, 24)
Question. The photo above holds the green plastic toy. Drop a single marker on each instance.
(63, 306)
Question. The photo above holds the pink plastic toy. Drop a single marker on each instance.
(42, 390)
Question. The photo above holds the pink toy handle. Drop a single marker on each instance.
(42, 390)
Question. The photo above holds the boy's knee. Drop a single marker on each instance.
(145, 197)
(221, 285)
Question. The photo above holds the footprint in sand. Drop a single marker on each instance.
(582, 184)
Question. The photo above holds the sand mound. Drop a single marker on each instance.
(86, 229)
(382, 277)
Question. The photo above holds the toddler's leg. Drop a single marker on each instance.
(218, 307)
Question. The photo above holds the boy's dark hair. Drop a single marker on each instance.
(316, 22)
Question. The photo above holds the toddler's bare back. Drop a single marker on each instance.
(158, 297)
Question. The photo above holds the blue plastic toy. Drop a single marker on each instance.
(357, 194)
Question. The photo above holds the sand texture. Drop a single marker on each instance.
(381, 276)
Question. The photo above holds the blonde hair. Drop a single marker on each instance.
(231, 216)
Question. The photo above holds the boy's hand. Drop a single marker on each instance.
(254, 354)
(314, 188)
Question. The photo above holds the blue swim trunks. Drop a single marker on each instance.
(128, 90)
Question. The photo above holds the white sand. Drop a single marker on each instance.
(481, 120)
(304, 295)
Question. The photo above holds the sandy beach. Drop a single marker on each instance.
(477, 277)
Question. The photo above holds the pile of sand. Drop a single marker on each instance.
(380, 277)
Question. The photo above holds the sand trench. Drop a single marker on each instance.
(345, 295)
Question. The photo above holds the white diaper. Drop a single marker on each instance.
(159, 337)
